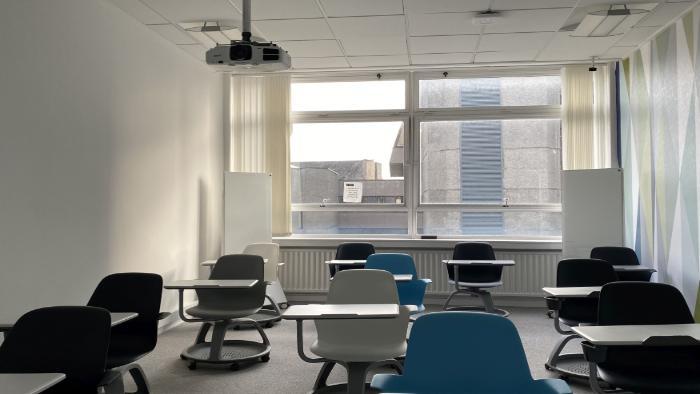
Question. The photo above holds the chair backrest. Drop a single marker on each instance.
(615, 255)
(235, 266)
(363, 287)
(466, 351)
(351, 251)
(269, 251)
(475, 251)
(72, 340)
(623, 303)
(132, 292)
(584, 273)
(396, 263)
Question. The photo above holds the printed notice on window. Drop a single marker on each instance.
(352, 191)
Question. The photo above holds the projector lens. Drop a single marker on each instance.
(241, 52)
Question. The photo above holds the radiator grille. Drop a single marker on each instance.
(306, 272)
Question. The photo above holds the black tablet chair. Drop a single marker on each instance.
(223, 308)
(572, 312)
(619, 255)
(131, 292)
(351, 251)
(71, 340)
(668, 365)
(474, 280)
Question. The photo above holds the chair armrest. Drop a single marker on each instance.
(426, 281)
(164, 315)
(593, 353)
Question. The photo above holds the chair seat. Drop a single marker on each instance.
(219, 314)
(654, 379)
(354, 353)
(480, 285)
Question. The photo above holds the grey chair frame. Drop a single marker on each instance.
(473, 291)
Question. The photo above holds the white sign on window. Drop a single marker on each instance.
(352, 191)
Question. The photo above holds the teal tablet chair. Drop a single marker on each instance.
(460, 352)
(410, 292)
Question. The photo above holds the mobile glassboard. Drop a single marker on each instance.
(592, 210)
(247, 210)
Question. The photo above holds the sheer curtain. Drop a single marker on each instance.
(260, 132)
(587, 117)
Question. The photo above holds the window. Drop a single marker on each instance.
(482, 156)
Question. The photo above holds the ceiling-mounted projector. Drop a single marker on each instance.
(246, 55)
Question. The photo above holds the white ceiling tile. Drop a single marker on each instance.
(664, 13)
(564, 47)
(383, 45)
(202, 38)
(441, 24)
(294, 29)
(315, 62)
(443, 58)
(282, 9)
(173, 34)
(531, 4)
(619, 52)
(443, 44)
(378, 61)
(312, 48)
(432, 6)
(375, 26)
(513, 41)
(362, 7)
(196, 50)
(140, 11)
(188, 10)
(530, 21)
(505, 56)
(636, 36)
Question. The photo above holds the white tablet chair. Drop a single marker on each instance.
(360, 344)
(271, 252)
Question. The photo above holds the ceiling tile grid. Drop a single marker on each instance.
(396, 33)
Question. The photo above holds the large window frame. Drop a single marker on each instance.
(412, 116)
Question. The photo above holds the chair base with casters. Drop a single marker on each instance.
(475, 290)
(226, 351)
(568, 365)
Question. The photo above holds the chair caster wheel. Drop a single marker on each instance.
(564, 378)
(234, 367)
(182, 357)
(192, 365)
(236, 328)
(265, 358)
(268, 325)
(547, 367)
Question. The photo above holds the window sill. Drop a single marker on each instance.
(549, 244)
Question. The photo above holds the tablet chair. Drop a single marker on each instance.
(436, 362)
(663, 365)
(351, 251)
(270, 313)
(410, 292)
(474, 280)
(72, 340)
(222, 308)
(131, 292)
(618, 255)
(575, 311)
(359, 344)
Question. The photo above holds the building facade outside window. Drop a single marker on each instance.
(464, 156)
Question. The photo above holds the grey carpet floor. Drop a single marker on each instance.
(287, 373)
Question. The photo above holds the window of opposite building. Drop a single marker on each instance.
(472, 155)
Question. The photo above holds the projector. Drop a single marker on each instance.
(244, 55)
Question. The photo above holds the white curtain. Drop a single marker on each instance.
(260, 132)
(587, 117)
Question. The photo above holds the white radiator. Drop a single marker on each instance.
(306, 272)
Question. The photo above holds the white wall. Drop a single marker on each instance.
(110, 153)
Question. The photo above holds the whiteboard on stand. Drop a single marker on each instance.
(592, 210)
(247, 210)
